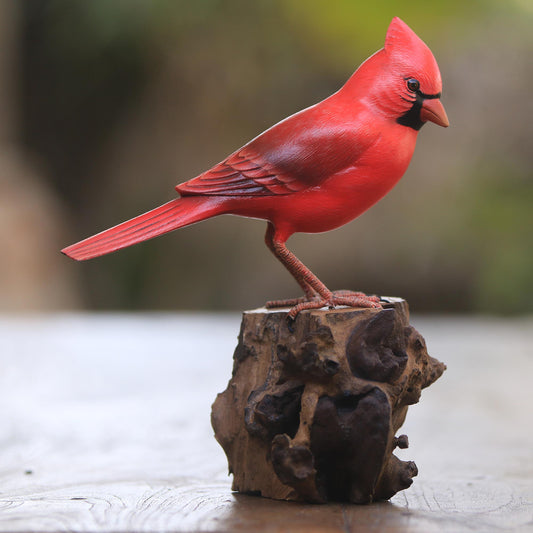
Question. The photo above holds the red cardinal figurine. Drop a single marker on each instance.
(314, 171)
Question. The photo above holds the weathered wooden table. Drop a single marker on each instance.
(105, 427)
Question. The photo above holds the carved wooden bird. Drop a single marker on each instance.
(313, 171)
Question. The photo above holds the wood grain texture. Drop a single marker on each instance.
(105, 427)
(313, 409)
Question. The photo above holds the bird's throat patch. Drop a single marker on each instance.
(411, 118)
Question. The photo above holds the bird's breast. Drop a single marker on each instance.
(383, 164)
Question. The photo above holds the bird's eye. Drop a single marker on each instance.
(413, 85)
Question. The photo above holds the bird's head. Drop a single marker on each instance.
(403, 79)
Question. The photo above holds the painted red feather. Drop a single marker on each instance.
(167, 217)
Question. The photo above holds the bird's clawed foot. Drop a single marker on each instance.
(343, 293)
(336, 298)
(346, 298)
(288, 302)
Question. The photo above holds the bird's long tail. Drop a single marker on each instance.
(167, 217)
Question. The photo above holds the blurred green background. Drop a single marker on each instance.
(106, 105)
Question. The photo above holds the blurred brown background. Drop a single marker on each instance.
(106, 105)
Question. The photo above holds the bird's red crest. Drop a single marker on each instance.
(410, 53)
(401, 36)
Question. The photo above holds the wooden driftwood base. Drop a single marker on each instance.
(312, 410)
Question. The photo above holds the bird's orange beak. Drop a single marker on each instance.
(433, 111)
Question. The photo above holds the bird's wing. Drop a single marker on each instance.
(296, 154)
(243, 173)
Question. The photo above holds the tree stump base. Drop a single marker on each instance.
(312, 410)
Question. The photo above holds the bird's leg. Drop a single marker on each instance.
(308, 290)
(274, 246)
(317, 295)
